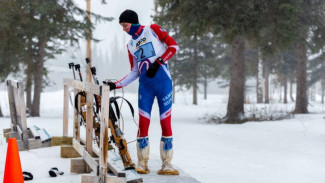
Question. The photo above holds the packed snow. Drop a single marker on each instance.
(290, 150)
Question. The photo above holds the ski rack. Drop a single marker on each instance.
(89, 161)
(27, 138)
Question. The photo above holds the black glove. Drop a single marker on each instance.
(111, 85)
(151, 72)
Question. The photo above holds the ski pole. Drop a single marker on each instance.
(77, 67)
(71, 65)
(93, 73)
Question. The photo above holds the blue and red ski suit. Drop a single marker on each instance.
(145, 46)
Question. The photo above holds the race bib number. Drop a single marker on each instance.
(145, 51)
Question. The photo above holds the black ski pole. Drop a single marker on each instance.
(77, 67)
(71, 65)
(82, 98)
(93, 73)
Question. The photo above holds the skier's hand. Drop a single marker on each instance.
(151, 72)
(112, 86)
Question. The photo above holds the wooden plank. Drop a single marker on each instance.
(6, 130)
(89, 122)
(17, 106)
(68, 151)
(78, 165)
(111, 165)
(57, 141)
(13, 83)
(22, 108)
(104, 134)
(45, 136)
(34, 132)
(92, 88)
(13, 113)
(74, 83)
(19, 131)
(91, 161)
(34, 143)
(114, 163)
(66, 111)
(92, 179)
(80, 148)
(14, 135)
(23, 121)
(21, 145)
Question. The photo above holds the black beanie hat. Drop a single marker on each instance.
(129, 16)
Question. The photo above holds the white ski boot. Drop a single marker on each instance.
(166, 158)
(143, 156)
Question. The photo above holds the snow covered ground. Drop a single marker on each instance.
(291, 150)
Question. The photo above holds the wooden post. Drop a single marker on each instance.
(89, 121)
(22, 108)
(16, 103)
(88, 41)
(104, 134)
(12, 108)
(66, 111)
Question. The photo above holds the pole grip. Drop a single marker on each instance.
(71, 65)
(87, 60)
(77, 67)
(93, 70)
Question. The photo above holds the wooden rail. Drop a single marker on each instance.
(86, 151)
(99, 160)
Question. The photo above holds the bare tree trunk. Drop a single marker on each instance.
(259, 79)
(284, 79)
(266, 81)
(1, 115)
(38, 78)
(205, 85)
(285, 85)
(235, 108)
(280, 93)
(29, 79)
(291, 89)
(194, 84)
(323, 89)
(301, 96)
(323, 82)
(194, 93)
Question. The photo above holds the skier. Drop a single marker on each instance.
(149, 49)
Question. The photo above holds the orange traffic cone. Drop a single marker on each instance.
(13, 171)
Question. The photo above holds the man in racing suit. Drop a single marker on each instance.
(149, 50)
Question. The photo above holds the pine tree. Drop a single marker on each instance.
(199, 49)
(311, 31)
(43, 29)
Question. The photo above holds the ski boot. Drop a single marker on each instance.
(166, 155)
(143, 149)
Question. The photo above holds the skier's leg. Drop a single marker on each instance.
(164, 96)
(145, 100)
